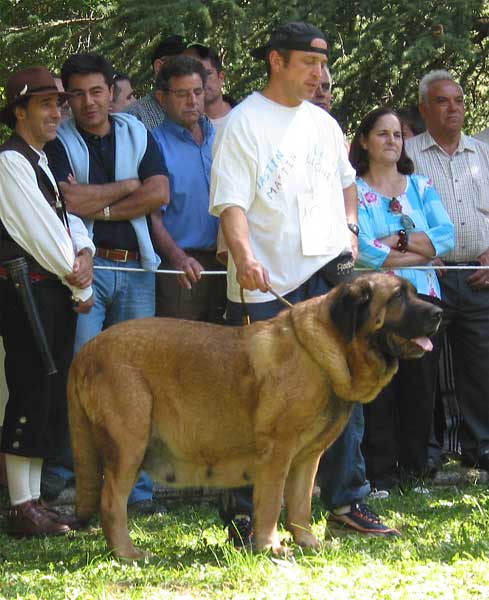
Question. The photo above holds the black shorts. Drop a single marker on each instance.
(36, 413)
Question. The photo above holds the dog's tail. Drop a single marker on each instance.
(87, 460)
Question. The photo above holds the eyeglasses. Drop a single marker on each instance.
(406, 222)
(187, 93)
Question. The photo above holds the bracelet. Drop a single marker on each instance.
(107, 213)
(402, 244)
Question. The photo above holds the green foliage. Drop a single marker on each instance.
(379, 48)
(442, 554)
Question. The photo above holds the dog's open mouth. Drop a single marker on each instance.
(410, 347)
(396, 346)
(424, 343)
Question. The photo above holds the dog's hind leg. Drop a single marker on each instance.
(122, 438)
(87, 461)
(298, 495)
(119, 479)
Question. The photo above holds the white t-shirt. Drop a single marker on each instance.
(286, 168)
(220, 121)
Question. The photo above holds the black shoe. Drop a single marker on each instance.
(52, 485)
(480, 462)
(146, 508)
(240, 531)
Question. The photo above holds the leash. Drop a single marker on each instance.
(246, 319)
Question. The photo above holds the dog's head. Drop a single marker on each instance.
(385, 310)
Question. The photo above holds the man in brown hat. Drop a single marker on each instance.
(35, 225)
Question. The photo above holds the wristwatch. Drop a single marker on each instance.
(353, 227)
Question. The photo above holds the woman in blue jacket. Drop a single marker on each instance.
(403, 223)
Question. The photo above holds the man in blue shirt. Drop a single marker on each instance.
(185, 233)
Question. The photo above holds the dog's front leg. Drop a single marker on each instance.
(298, 495)
(268, 491)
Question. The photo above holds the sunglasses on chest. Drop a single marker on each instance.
(407, 224)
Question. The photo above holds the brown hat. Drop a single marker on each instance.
(34, 81)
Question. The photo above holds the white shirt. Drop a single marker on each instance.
(34, 225)
(271, 160)
(483, 135)
(462, 181)
(219, 122)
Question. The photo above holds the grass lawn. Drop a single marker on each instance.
(443, 553)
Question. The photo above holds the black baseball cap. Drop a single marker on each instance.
(170, 46)
(296, 35)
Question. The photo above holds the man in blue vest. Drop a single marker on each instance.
(112, 175)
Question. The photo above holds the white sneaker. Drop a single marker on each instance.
(376, 494)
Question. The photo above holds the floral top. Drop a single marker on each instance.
(379, 217)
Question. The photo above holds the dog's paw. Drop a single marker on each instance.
(133, 555)
(282, 551)
(305, 539)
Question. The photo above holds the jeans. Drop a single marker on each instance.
(341, 473)
(342, 468)
(118, 296)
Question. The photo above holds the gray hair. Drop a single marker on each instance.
(328, 73)
(430, 78)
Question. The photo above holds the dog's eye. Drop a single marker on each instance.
(396, 296)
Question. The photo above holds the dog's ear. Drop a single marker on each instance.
(351, 307)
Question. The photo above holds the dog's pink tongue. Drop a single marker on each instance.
(424, 343)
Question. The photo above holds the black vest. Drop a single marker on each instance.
(9, 248)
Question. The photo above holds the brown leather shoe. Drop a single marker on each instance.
(27, 520)
(57, 517)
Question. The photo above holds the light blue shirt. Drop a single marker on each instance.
(421, 202)
(187, 217)
(131, 143)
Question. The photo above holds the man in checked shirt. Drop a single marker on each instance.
(459, 167)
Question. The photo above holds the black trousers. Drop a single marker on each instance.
(36, 422)
(466, 313)
(399, 421)
(206, 301)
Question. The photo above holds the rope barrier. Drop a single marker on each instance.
(417, 268)
(165, 271)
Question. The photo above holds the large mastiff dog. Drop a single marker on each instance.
(205, 405)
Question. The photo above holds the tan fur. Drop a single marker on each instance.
(207, 405)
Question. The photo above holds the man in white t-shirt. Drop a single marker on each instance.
(285, 192)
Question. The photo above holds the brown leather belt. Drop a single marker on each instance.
(33, 276)
(117, 254)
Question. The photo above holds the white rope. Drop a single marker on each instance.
(165, 271)
(418, 268)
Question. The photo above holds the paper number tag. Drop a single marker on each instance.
(315, 224)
